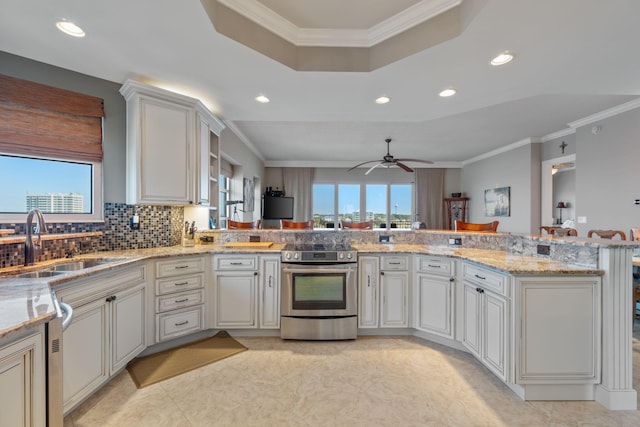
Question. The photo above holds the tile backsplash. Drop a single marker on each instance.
(160, 226)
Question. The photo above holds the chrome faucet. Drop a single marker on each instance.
(30, 247)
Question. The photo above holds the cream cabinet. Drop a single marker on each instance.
(108, 329)
(559, 341)
(168, 146)
(180, 296)
(383, 291)
(22, 381)
(486, 310)
(434, 288)
(269, 292)
(368, 283)
(235, 281)
(394, 291)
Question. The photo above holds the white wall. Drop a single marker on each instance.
(564, 189)
(246, 165)
(608, 173)
(519, 169)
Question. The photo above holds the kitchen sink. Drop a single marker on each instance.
(81, 264)
(38, 274)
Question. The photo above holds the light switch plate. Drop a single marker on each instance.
(582, 220)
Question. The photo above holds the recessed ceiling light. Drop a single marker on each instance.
(383, 100)
(503, 58)
(70, 28)
(447, 92)
(262, 99)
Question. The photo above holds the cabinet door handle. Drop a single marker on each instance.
(182, 300)
(270, 277)
(480, 277)
(368, 280)
(255, 273)
(180, 267)
(452, 279)
(181, 323)
(111, 298)
(180, 283)
(382, 273)
(480, 290)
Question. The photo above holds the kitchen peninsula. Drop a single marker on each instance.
(500, 275)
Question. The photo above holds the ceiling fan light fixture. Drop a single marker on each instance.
(262, 99)
(450, 91)
(70, 28)
(503, 58)
(382, 100)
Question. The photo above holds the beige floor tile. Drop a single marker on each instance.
(372, 381)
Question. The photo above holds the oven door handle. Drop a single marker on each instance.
(322, 270)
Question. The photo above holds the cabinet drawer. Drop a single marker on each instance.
(178, 284)
(174, 267)
(437, 266)
(486, 278)
(395, 263)
(179, 300)
(177, 323)
(236, 263)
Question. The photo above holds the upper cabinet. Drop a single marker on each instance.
(169, 147)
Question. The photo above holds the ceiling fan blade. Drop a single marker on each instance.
(403, 166)
(374, 166)
(416, 160)
(363, 163)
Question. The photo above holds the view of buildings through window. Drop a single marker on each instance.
(383, 203)
(53, 186)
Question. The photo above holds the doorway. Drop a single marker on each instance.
(547, 207)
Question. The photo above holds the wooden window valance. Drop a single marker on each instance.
(44, 121)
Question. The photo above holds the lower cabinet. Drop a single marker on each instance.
(433, 295)
(22, 381)
(269, 292)
(179, 297)
(383, 292)
(107, 331)
(560, 338)
(235, 281)
(486, 318)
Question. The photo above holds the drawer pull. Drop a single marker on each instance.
(181, 283)
(394, 263)
(236, 263)
(182, 300)
(179, 267)
(434, 266)
(181, 323)
(480, 277)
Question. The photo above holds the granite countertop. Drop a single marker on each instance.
(498, 260)
(27, 302)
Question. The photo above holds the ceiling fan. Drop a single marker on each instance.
(388, 160)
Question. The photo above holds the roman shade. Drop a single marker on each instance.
(43, 121)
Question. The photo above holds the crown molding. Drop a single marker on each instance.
(558, 134)
(517, 144)
(402, 21)
(345, 164)
(605, 114)
(242, 137)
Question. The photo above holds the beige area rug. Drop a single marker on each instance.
(169, 363)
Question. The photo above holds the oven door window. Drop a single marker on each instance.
(319, 291)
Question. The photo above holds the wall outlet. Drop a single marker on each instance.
(254, 238)
(455, 241)
(582, 220)
(135, 222)
(384, 239)
(544, 249)
(636, 201)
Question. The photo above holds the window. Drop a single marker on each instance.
(63, 190)
(324, 215)
(388, 205)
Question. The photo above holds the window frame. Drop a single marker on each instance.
(97, 205)
(363, 201)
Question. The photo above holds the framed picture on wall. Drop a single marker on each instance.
(497, 201)
(248, 188)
